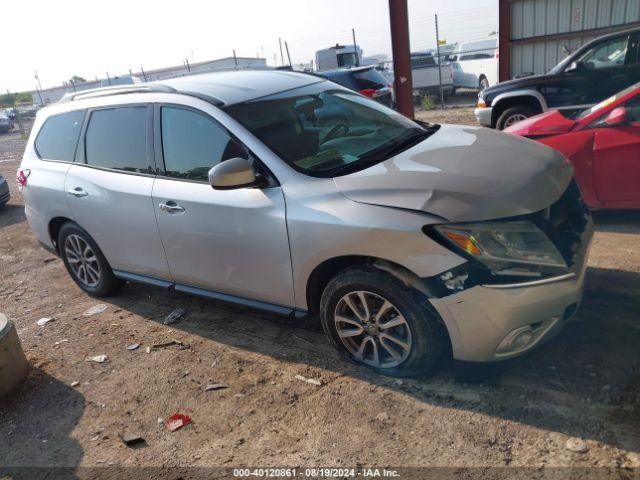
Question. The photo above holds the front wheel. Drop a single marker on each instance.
(85, 262)
(513, 115)
(375, 320)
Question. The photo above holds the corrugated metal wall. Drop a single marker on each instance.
(534, 18)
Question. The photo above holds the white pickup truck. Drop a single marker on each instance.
(424, 71)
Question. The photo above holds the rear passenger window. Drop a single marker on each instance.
(58, 136)
(192, 143)
(117, 138)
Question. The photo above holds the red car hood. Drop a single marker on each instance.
(549, 123)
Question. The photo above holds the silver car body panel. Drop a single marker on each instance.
(265, 244)
(465, 174)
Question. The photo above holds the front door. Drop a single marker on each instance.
(232, 242)
(616, 160)
(109, 190)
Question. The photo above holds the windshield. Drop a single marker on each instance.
(326, 132)
(608, 101)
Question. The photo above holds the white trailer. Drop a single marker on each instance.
(340, 56)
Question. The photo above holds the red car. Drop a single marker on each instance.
(602, 142)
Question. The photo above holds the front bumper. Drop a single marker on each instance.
(479, 320)
(5, 195)
(483, 116)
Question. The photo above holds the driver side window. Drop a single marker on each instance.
(192, 143)
(605, 55)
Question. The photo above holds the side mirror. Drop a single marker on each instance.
(617, 116)
(233, 173)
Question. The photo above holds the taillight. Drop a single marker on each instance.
(22, 177)
(368, 92)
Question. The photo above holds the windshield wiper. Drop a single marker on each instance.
(387, 151)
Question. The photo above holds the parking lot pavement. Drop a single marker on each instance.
(584, 385)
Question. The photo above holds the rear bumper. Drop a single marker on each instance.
(483, 116)
(483, 320)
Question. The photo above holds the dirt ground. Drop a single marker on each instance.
(585, 384)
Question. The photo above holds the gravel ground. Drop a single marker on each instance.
(582, 390)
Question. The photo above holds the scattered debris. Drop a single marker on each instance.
(312, 381)
(60, 342)
(215, 386)
(174, 316)
(97, 359)
(95, 310)
(133, 346)
(180, 345)
(43, 321)
(75, 384)
(302, 339)
(577, 445)
(160, 421)
(239, 395)
(131, 439)
(148, 349)
(177, 421)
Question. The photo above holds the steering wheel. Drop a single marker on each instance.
(338, 130)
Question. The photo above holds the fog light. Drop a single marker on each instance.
(454, 282)
(517, 340)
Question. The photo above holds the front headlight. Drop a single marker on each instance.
(506, 248)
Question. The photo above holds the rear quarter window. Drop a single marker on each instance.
(58, 137)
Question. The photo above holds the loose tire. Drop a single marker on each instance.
(513, 115)
(85, 262)
(375, 320)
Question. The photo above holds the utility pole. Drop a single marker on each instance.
(39, 87)
(403, 85)
(108, 79)
(355, 47)
(235, 59)
(144, 75)
(286, 45)
(439, 66)
(281, 55)
(186, 62)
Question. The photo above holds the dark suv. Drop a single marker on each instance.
(591, 74)
(365, 80)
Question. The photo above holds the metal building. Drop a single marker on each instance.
(537, 34)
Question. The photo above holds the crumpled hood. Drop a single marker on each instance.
(464, 174)
(548, 123)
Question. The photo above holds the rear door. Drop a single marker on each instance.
(218, 242)
(109, 189)
(616, 161)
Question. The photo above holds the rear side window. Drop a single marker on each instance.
(58, 136)
(192, 143)
(117, 138)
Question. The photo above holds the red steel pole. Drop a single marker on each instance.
(504, 38)
(399, 21)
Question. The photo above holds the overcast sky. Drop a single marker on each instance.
(61, 38)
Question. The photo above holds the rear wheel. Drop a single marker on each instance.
(85, 262)
(513, 115)
(375, 320)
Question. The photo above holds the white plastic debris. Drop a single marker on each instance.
(75, 384)
(133, 346)
(60, 342)
(577, 445)
(43, 321)
(97, 359)
(95, 310)
(312, 381)
(216, 386)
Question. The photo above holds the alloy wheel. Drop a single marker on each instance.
(372, 329)
(82, 260)
(513, 119)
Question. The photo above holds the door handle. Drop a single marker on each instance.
(171, 207)
(77, 192)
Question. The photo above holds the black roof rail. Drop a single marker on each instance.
(118, 90)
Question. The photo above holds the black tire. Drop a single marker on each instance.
(507, 117)
(107, 284)
(427, 337)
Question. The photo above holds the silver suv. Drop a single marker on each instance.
(289, 193)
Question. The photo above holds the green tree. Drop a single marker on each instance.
(77, 79)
